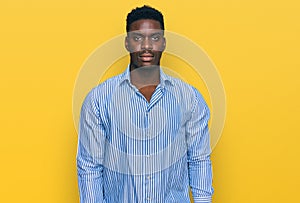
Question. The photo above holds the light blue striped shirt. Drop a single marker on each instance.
(131, 150)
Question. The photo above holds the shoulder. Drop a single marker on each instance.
(185, 89)
(188, 94)
(102, 92)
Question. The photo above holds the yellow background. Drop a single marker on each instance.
(255, 45)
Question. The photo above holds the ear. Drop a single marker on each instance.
(127, 44)
(164, 44)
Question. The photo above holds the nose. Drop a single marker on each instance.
(146, 44)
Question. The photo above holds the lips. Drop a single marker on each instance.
(146, 57)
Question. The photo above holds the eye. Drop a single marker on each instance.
(137, 38)
(155, 38)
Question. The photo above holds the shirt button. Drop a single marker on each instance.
(148, 198)
(148, 177)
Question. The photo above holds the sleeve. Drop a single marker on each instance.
(198, 152)
(90, 151)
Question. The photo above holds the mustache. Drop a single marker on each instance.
(146, 52)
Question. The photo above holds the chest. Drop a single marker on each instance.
(147, 91)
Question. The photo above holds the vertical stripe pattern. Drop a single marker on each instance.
(131, 150)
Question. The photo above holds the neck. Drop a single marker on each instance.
(145, 76)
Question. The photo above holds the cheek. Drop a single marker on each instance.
(157, 55)
(134, 56)
(158, 47)
(133, 47)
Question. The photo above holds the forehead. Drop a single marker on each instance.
(145, 24)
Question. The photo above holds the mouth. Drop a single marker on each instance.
(146, 57)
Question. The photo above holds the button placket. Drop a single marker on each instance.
(148, 179)
(147, 129)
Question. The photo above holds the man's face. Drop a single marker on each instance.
(145, 41)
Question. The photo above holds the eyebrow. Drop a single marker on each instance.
(140, 34)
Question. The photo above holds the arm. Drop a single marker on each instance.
(90, 153)
(198, 141)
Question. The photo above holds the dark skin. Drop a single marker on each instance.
(145, 41)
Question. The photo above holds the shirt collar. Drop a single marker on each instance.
(164, 78)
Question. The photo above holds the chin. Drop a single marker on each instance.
(149, 65)
(145, 65)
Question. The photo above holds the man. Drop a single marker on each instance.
(143, 135)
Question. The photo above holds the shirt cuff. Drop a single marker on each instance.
(202, 199)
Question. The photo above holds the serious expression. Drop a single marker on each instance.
(145, 41)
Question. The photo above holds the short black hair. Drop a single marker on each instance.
(144, 12)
